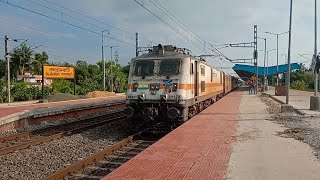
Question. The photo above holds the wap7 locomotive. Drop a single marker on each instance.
(168, 86)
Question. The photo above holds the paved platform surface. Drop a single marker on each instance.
(300, 100)
(232, 139)
(198, 149)
(259, 153)
(9, 114)
(4, 105)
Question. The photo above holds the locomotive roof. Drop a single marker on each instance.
(171, 55)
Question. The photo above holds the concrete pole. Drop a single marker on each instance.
(315, 100)
(111, 70)
(264, 64)
(315, 48)
(267, 67)
(7, 55)
(137, 44)
(289, 55)
(277, 59)
(104, 64)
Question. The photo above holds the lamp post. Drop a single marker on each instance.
(289, 55)
(277, 34)
(111, 66)
(314, 100)
(264, 63)
(268, 63)
(103, 61)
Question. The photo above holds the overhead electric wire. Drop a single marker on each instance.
(56, 19)
(171, 16)
(29, 27)
(91, 18)
(100, 27)
(178, 32)
(166, 23)
(187, 29)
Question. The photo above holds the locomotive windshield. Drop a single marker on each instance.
(169, 67)
(144, 68)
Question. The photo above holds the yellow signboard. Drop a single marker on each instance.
(61, 72)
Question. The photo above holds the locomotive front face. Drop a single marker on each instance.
(154, 80)
(154, 87)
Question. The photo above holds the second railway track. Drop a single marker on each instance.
(24, 140)
(102, 163)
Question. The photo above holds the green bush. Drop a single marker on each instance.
(62, 86)
(299, 85)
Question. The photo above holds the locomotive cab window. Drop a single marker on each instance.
(169, 67)
(144, 68)
(203, 71)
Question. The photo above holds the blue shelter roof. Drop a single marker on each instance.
(271, 70)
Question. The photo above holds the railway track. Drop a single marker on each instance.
(24, 140)
(102, 163)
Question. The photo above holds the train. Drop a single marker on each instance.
(168, 86)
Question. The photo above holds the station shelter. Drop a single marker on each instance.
(248, 71)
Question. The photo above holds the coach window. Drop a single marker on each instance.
(169, 67)
(203, 71)
(144, 68)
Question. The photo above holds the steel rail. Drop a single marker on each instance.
(39, 131)
(80, 164)
(58, 135)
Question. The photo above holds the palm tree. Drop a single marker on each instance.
(21, 58)
(39, 60)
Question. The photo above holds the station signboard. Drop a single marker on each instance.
(58, 72)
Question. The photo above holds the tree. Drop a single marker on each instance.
(21, 58)
(2, 90)
(39, 60)
(2, 68)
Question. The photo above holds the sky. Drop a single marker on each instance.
(75, 34)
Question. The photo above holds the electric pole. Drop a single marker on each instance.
(104, 64)
(137, 44)
(111, 67)
(7, 55)
(116, 57)
(255, 55)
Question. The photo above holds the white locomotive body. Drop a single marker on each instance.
(168, 86)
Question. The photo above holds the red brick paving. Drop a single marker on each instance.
(199, 149)
(15, 109)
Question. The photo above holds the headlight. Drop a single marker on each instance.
(174, 87)
(135, 87)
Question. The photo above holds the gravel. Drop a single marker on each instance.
(302, 128)
(40, 161)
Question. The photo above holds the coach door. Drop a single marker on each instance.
(196, 79)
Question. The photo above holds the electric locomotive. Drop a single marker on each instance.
(168, 86)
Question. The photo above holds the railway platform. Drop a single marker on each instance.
(300, 100)
(13, 116)
(232, 139)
